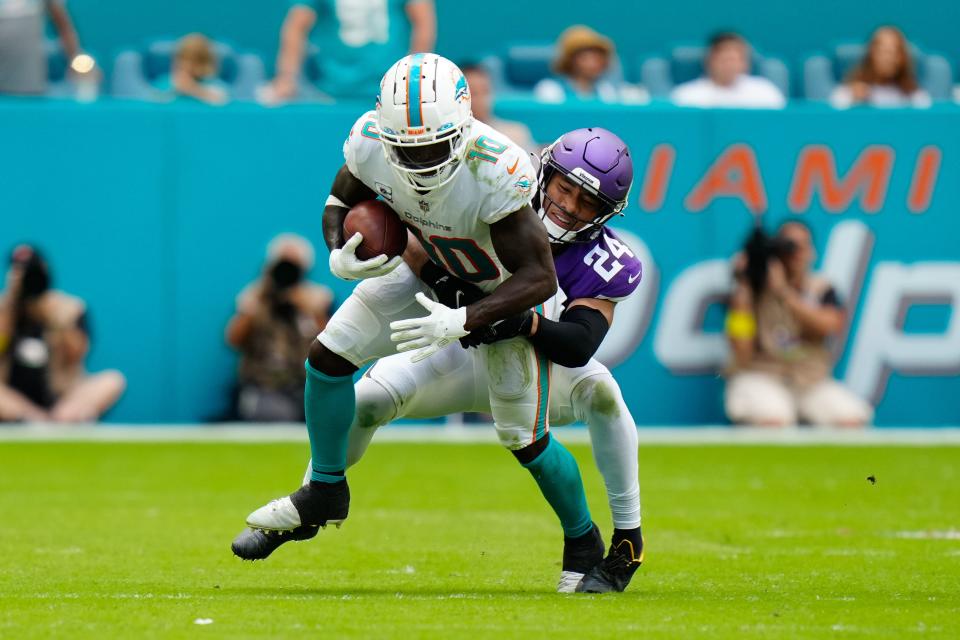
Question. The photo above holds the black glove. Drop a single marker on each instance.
(518, 325)
(451, 291)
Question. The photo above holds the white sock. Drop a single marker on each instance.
(597, 401)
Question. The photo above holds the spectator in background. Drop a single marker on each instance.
(193, 72)
(583, 58)
(277, 317)
(357, 41)
(44, 340)
(885, 76)
(23, 60)
(781, 368)
(481, 94)
(727, 83)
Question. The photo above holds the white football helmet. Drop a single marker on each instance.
(424, 117)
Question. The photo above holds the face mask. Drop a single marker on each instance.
(285, 274)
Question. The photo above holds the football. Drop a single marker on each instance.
(383, 233)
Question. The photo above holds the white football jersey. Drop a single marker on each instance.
(452, 221)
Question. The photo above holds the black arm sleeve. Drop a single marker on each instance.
(573, 340)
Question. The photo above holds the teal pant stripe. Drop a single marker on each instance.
(544, 397)
(543, 392)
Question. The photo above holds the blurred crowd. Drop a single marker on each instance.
(326, 56)
(44, 342)
(277, 317)
(45, 338)
(781, 319)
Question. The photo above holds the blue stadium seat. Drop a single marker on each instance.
(818, 78)
(526, 65)
(822, 72)
(656, 75)
(128, 80)
(660, 74)
(134, 72)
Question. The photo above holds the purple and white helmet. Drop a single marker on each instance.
(599, 162)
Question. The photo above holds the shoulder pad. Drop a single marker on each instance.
(362, 141)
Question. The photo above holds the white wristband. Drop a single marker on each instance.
(334, 201)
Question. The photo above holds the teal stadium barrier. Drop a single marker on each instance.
(159, 214)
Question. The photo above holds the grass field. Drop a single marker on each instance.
(132, 541)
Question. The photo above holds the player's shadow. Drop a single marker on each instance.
(467, 593)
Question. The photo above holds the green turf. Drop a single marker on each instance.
(132, 541)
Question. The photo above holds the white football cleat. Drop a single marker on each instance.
(569, 581)
(278, 515)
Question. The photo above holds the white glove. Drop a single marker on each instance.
(345, 265)
(431, 333)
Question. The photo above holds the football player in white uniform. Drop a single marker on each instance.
(464, 191)
(596, 270)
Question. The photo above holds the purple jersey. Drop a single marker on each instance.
(602, 268)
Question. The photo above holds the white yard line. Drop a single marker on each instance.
(717, 435)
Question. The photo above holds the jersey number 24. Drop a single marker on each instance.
(598, 256)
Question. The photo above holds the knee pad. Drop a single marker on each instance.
(597, 396)
(509, 369)
(375, 405)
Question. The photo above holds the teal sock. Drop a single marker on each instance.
(329, 404)
(556, 471)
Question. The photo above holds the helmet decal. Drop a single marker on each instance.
(586, 177)
(414, 105)
(462, 91)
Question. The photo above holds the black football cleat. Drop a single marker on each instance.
(253, 544)
(614, 572)
(579, 556)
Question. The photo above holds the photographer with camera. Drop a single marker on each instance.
(780, 319)
(277, 317)
(44, 340)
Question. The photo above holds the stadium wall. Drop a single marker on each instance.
(158, 214)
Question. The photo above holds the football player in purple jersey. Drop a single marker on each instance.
(584, 181)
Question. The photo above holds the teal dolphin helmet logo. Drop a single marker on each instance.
(461, 89)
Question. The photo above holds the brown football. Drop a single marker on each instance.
(383, 233)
